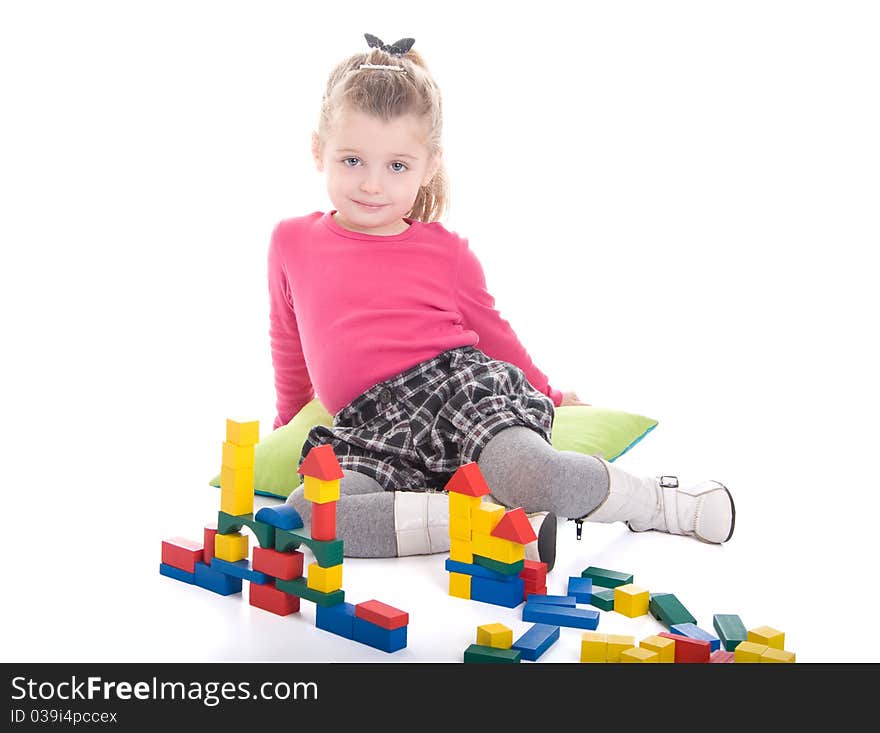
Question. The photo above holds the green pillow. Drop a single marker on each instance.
(589, 430)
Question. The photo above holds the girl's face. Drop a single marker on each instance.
(374, 170)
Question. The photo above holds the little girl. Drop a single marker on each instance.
(384, 314)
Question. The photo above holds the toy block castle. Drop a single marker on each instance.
(275, 572)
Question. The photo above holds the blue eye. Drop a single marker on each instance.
(345, 160)
(397, 162)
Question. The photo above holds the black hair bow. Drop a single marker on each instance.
(398, 48)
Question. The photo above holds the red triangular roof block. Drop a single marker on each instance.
(468, 479)
(515, 526)
(321, 463)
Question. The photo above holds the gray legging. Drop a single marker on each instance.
(521, 468)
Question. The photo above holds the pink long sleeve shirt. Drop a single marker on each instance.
(349, 310)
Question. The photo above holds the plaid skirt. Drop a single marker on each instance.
(413, 431)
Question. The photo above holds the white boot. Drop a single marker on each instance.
(421, 522)
(704, 511)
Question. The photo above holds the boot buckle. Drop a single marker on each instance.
(669, 482)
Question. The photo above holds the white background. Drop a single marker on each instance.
(676, 206)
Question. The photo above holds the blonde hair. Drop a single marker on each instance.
(387, 94)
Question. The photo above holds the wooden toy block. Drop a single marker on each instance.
(730, 629)
(537, 640)
(460, 585)
(209, 579)
(581, 588)
(664, 647)
(515, 527)
(321, 463)
(268, 598)
(299, 587)
(569, 601)
(461, 550)
(235, 496)
(534, 570)
(237, 456)
(338, 619)
(529, 591)
(486, 518)
(241, 432)
(495, 635)
(231, 547)
(460, 527)
(603, 598)
(606, 578)
(454, 566)
(478, 654)
(240, 569)
(462, 505)
(618, 643)
(325, 580)
(692, 631)
(749, 652)
(381, 614)
(320, 492)
(505, 568)
(545, 613)
(631, 600)
(668, 610)
(182, 553)
(495, 548)
(687, 650)
(327, 552)
(499, 593)
(210, 532)
(594, 647)
(171, 571)
(638, 654)
(324, 521)
(283, 516)
(468, 480)
(228, 523)
(388, 640)
(767, 635)
(283, 565)
(721, 656)
(772, 654)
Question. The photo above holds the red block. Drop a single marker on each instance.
(694, 651)
(284, 565)
(527, 590)
(324, 521)
(721, 656)
(269, 598)
(210, 534)
(381, 614)
(515, 527)
(182, 553)
(535, 571)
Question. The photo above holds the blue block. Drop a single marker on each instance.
(536, 641)
(500, 593)
(455, 566)
(545, 613)
(553, 600)
(176, 573)
(213, 580)
(388, 640)
(337, 619)
(581, 588)
(240, 569)
(283, 516)
(692, 631)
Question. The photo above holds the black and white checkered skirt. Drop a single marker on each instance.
(413, 431)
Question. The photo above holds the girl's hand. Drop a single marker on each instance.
(570, 398)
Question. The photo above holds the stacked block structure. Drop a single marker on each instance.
(276, 572)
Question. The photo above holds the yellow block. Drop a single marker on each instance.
(236, 502)
(232, 547)
(460, 585)
(616, 644)
(243, 433)
(496, 635)
(777, 655)
(460, 527)
(486, 518)
(594, 647)
(238, 456)
(320, 492)
(768, 636)
(237, 479)
(631, 600)
(497, 548)
(639, 654)
(462, 505)
(749, 651)
(664, 647)
(461, 551)
(325, 580)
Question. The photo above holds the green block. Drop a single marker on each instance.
(606, 578)
(477, 653)
(504, 568)
(298, 587)
(603, 599)
(229, 523)
(730, 629)
(327, 552)
(668, 610)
